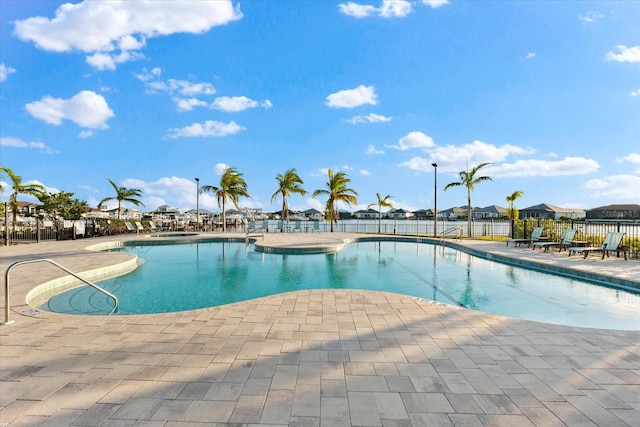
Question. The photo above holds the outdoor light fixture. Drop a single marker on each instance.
(197, 204)
(435, 199)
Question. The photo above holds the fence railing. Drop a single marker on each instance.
(590, 231)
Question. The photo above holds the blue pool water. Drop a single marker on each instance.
(195, 275)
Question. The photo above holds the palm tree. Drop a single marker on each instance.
(232, 186)
(512, 212)
(288, 183)
(511, 199)
(382, 203)
(19, 188)
(123, 194)
(468, 179)
(336, 191)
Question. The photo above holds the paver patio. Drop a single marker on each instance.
(310, 358)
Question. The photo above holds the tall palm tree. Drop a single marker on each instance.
(232, 186)
(123, 194)
(19, 188)
(288, 183)
(336, 191)
(382, 203)
(468, 179)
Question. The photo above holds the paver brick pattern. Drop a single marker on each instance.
(316, 358)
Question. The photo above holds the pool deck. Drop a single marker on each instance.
(310, 358)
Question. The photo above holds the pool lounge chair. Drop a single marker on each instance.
(139, 227)
(130, 228)
(611, 243)
(536, 235)
(568, 235)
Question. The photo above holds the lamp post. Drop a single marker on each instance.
(435, 199)
(197, 204)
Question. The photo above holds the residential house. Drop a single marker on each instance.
(615, 212)
(454, 213)
(366, 214)
(313, 214)
(547, 211)
(398, 214)
(489, 212)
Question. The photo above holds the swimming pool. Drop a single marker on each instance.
(188, 276)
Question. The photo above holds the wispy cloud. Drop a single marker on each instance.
(388, 9)
(233, 104)
(622, 187)
(635, 92)
(206, 129)
(184, 93)
(369, 118)
(537, 167)
(371, 150)
(350, 98)
(590, 17)
(530, 55)
(10, 141)
(5, 71)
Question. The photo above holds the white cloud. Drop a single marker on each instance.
(635, 93)
(624, 54)
(188, 104)
(84, 134)
(590, 17)
(372, 150)
(631, 158)
(5, 71)
(86, 109)
(536, 167)
(350, 98)
(365, 172)
(183, 87)
(623, 187)
(417, 163)
(413, 139)
(369, 118)
(208, 128)
(457, 157)
(387, 9)
(113, 32)
(10, 141)
(146, 75)
(530, 55)
(234, 104)
(219, 168)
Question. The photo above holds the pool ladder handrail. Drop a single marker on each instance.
(452, 230)
(30, 261)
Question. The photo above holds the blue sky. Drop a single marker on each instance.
(154, 94)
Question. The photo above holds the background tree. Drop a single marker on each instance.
(123, 194)
(468, 179)
(288, 183)
(382, 203)
(232, 186)
(62, 204)
(19, 188)
(336, 191)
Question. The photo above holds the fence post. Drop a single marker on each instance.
(6, 224)
(38, 229)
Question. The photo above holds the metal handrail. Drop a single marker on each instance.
(30, 261)
(451, 230)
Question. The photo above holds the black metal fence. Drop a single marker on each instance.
(589, 231)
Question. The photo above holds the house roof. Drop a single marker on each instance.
(550, 208)
(626, 207)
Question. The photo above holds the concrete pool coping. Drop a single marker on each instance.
(311, 357)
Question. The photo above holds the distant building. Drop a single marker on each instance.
(492, 211)
(615, 212)
(313, 214)
(454, 213)
(398, 214)
(366, 214)
(423, 213)
(547, 211)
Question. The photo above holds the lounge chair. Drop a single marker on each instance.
(536, 235)
(130, 228)
(139, 227)
(611, 243)
(152, 226)
(568, 235)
